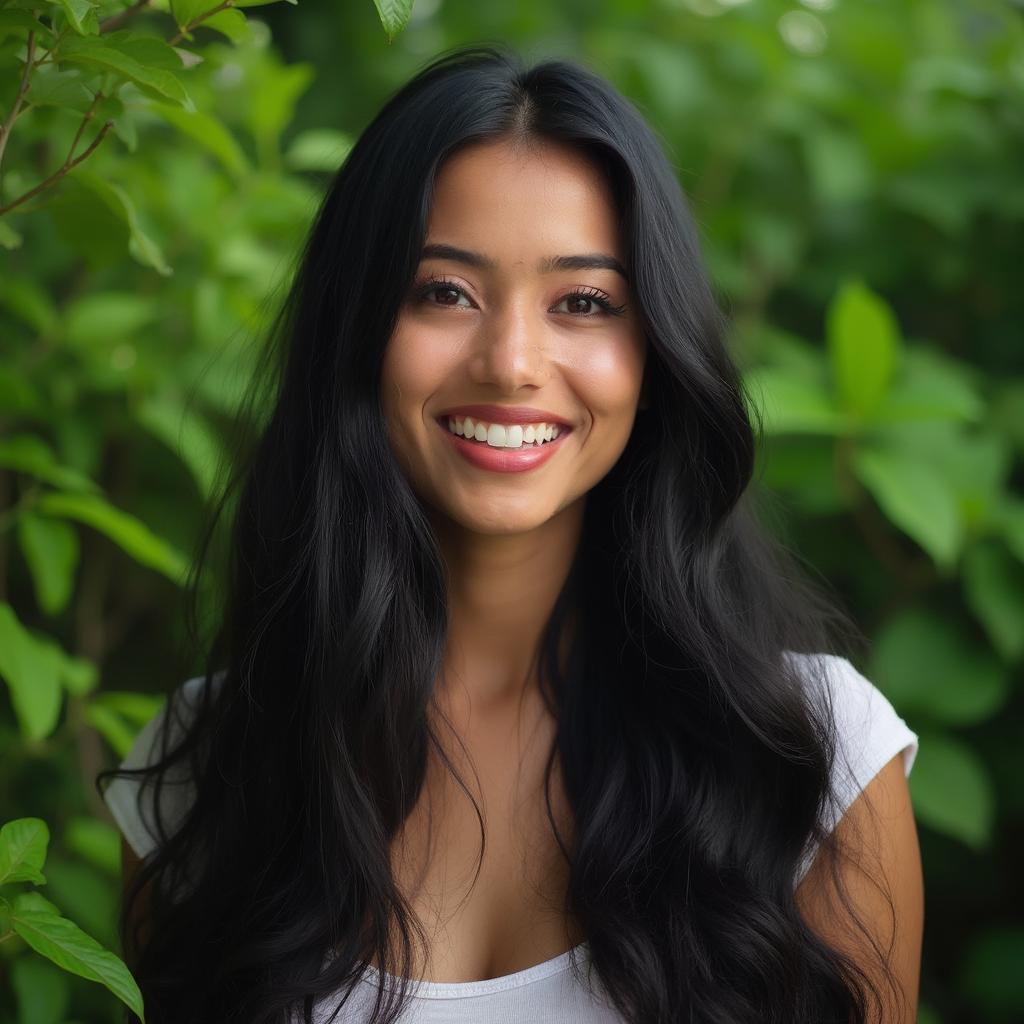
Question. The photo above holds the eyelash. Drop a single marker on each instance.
(433, 283)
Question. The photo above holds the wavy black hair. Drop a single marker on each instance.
(696, 764)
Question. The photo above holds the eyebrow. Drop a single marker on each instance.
(548, 265)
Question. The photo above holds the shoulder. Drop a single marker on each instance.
(132, 807)
(869, 733)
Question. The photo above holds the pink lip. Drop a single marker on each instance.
(502, 460)
(506, 414)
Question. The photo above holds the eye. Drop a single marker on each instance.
(593, 296)
(438, 284)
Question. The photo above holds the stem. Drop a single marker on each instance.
(5, 129)
(196, 21)
(115, 21)
(68, 163)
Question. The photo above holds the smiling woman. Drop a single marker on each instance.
(510, 679)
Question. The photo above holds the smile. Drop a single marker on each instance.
(495, 452)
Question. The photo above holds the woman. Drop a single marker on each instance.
(509, 680)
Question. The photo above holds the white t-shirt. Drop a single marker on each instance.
(870, 734)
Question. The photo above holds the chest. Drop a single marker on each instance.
(512, 914)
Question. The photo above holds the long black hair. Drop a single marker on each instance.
(694, 759)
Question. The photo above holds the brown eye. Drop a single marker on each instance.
(447, 288)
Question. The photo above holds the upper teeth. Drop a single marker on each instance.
(497, 435)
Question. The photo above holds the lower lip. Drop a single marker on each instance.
(503, 460)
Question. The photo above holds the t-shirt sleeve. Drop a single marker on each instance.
(869, 734)
(135, 815)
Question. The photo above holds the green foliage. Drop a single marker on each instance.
(145, 211)
(853, 170)
(42, 928)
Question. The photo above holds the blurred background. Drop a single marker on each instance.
(856, 170)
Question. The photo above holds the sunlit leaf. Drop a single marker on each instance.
(129, 533)
(31, 667)
(41, 925)
(93, 51)
(50, 548)
(916, 497)
(864, 347)
(23, 844)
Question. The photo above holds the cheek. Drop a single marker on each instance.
(610, 376)
(411, 371)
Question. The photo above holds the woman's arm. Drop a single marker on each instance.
(880, 831)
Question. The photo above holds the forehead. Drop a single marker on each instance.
(512, 202)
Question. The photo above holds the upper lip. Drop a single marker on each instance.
(506, 414)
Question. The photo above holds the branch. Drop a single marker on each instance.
(5, 129)
(197, 21)
(69, 163)
(115, 21)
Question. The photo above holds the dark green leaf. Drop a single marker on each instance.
(951, 790)
(927, 667)
(994, 585)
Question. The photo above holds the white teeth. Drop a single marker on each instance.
(498, 435)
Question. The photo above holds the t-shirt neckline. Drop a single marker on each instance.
(462, 989)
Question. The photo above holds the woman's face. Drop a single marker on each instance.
(494, 326)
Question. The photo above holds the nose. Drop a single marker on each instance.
(510, 351)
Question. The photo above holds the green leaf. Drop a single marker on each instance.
(951, 790)
(927, 668)
(792, 403)
(930, 386)
(95, 842)
(394, 15)
(187, 435)
(31, 455)
(50, 548)
(863, 343)
(114, 729)
(120, 204)
(319, 149)
(41, 925)
(275, 91)
(149, 50)
(105, 317)
(209, 133)
(185, 11)
(77, 13)
(23, 844)
(261, 3)
(131, 535)
(14, 21)
(916, 497)
(994, 585)
(50, 87)
(137, 708)
(229, 23)
(31, 667)
(79, 675)
(158, 82)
